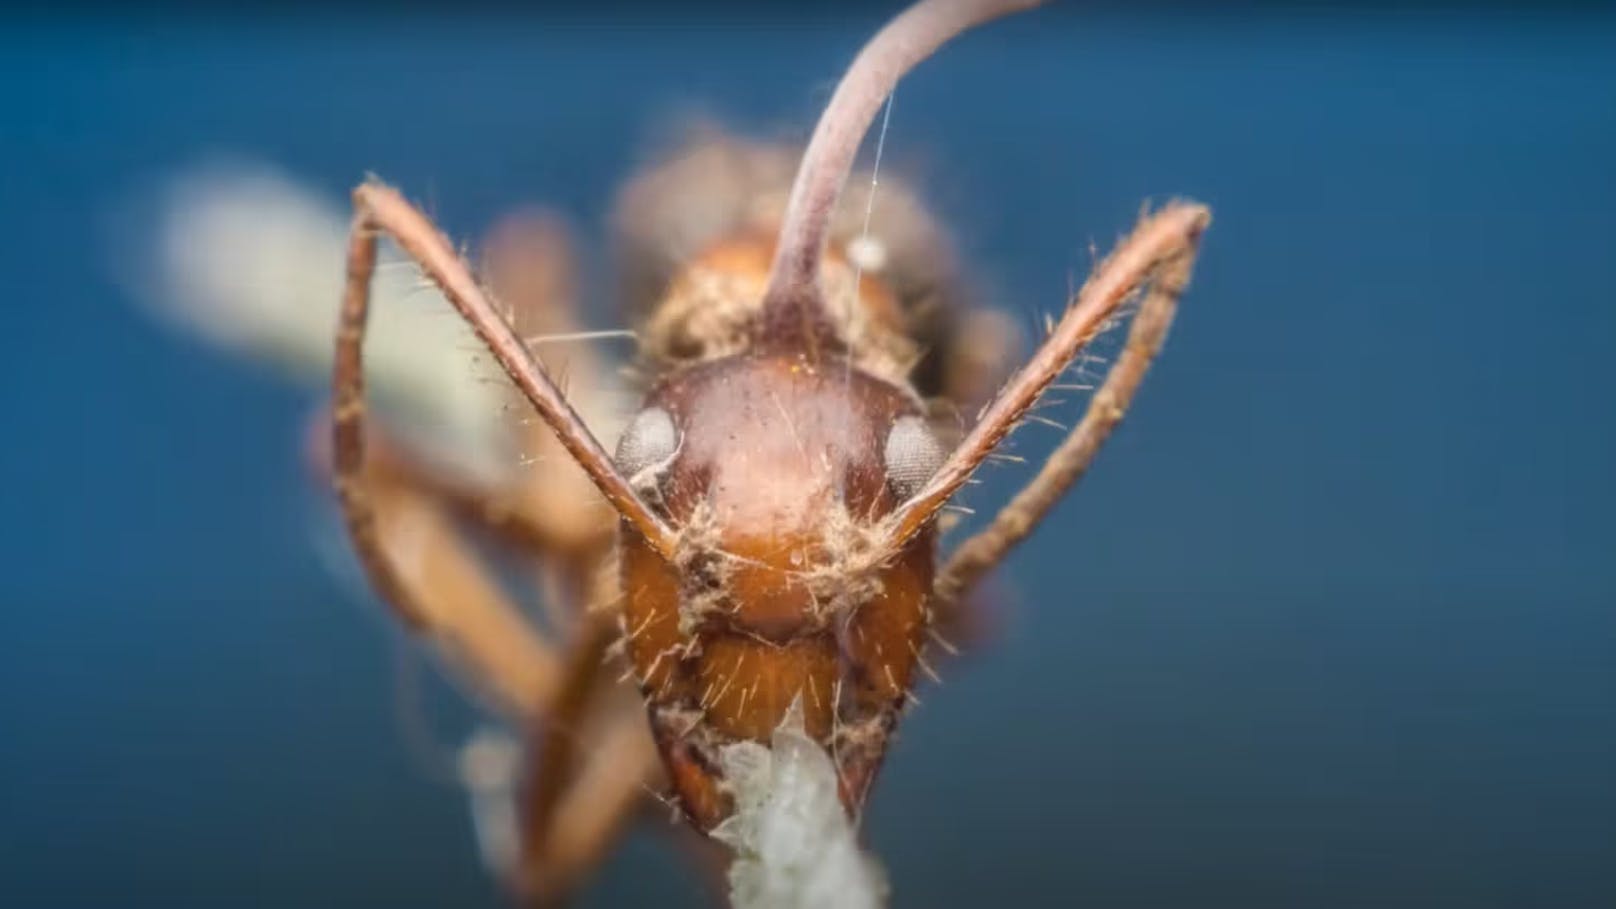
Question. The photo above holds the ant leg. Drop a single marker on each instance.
(623, 771)
(442, 592)
(478, 625)
(572, 814)
(380, 209)
(559, 739)
(571, 808)
(527, 262)
(390, 463)
(1166, 274)
(554, 514)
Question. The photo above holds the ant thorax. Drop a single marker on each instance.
(695, 234)
(712, 308)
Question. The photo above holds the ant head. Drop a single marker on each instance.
(775, 459)
(765, 434)
(779, 343)
(787, 481)
(777, 473)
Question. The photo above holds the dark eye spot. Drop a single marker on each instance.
(649, 440)
(912, 455)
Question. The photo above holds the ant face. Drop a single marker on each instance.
(776, 472)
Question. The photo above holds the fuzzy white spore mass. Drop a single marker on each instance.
(794, 845)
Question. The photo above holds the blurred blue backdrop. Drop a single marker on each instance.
(1333, 622)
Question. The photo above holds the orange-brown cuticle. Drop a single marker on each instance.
(779, 590)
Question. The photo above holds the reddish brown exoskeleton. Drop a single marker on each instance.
(777, 493)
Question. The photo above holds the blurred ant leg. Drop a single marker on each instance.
(976, 556)
(443, 593)
(528, 265)
(564, 561)
(487, 509)
(980, 356)
(554, 750)
(623, 769)
(555, 756)
(581, 811)
(592, 759)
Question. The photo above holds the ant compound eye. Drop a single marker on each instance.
(648, 442)
(912, 455)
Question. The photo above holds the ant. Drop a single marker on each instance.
(774, 504)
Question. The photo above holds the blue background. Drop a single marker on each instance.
(1333, 622)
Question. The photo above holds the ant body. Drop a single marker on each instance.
(774, 500)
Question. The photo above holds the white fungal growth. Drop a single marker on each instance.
(795, 847)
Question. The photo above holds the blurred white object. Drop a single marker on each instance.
(794, 845)
(489, 762)
(253, 262)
